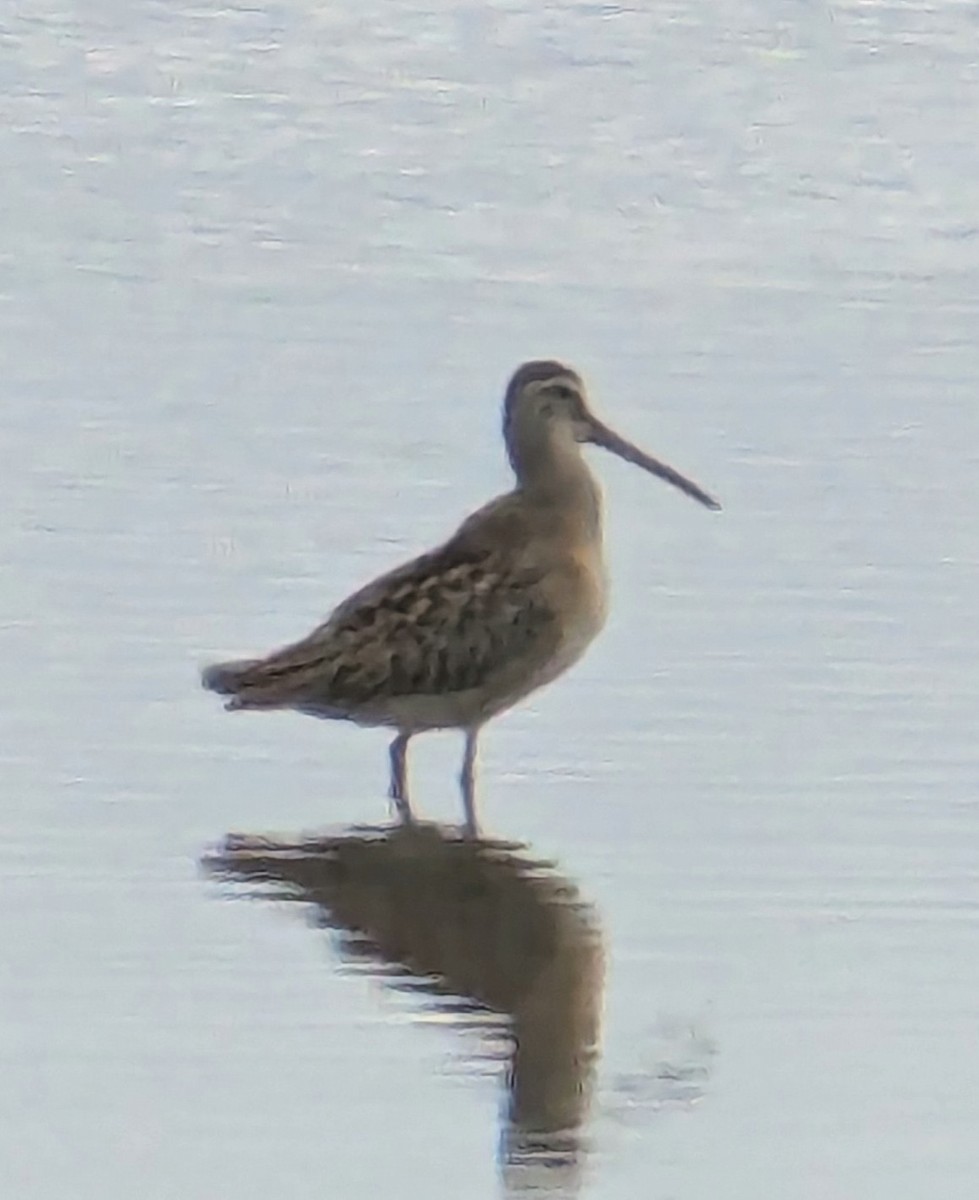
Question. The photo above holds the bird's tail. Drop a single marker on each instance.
(227, 678)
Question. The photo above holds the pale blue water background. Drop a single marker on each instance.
(264, 271)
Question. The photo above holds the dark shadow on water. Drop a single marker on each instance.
(474, 928)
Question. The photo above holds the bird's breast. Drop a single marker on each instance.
(580, 599)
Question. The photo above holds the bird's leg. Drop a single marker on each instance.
(467, 781)
(398, 791)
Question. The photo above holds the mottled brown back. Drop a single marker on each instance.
(445, 622)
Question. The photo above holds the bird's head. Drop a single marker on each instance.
(546, 402)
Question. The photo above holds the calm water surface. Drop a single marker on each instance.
(264, 271)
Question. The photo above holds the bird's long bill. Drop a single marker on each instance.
(601, 435)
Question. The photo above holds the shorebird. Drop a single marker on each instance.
(459, 634)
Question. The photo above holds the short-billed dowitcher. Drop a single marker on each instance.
(507, 604)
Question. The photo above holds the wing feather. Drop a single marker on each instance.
(445, 622)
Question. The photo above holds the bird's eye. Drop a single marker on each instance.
(564, 391)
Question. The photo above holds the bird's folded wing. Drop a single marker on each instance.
(446, 622)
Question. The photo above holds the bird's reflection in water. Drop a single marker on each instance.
(482, 928)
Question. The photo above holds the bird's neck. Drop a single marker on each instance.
(553, 473)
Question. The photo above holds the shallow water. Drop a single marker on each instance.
(264, 274)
